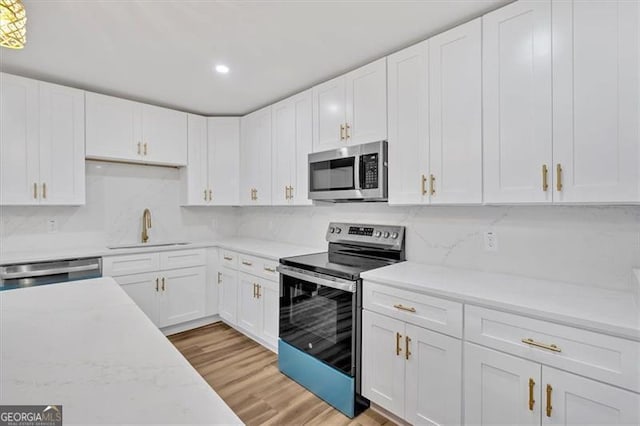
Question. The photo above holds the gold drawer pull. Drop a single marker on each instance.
(228, 258)
(532, 342)
(398, 337)
(549, 407)
(532, 401)
(404, 308)
(269, 269)
(244, 262)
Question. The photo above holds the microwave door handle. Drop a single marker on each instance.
(357, 172)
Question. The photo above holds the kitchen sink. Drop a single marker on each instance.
(139, 245)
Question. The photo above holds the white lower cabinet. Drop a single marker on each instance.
(141, 288)
(504, 389)
(183, 296)
(250, 296)
(410, 371)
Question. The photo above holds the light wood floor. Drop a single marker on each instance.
(246, 376)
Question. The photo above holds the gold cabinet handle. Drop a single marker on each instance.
(157, 284)
(205, 195)
(254, 290)
(342, 132)
(219, 277)
(559, 177)
(549, 406)
(423, 182)
(244, 262)
(398, 337)
(346, 131)
(291, 192)
(532, 401)
(35, 191)
(228, 258)
(44, 190)
(162, 283)
(145, 148)
(139, 148)
(545, 178)
(269, 269)
(404, 308)
(210, 195)
(255, 191)
(532, 342)
(432, 184)
(258, 285)
(407, 352)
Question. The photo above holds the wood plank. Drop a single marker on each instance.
(246, 377)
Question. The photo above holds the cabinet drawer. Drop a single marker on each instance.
(130, 264)
(229, 259)
(258, 266)
(182, 259)
(425, 311)
(606, 358)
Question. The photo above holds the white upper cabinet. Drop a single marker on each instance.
(408, 124)
(19, 141)
(455, 108)
(255, 158)
(42, 143)
(366, 109)
(517, 103)
(224, 160)
(196, 174)
(352, 108)
(595, 101)
(164, 135)
(122, 130)
(292, 140)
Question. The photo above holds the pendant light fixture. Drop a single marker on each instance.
(13, 24)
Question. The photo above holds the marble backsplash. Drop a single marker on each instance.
(596, 246)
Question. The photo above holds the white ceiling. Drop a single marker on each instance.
(163, 52)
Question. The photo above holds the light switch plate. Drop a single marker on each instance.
(52, 226)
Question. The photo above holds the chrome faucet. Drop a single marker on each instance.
(146, 224)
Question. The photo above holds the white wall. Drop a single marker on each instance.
(585, 245)
(117, 194)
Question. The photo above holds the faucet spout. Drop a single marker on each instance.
(146, 225)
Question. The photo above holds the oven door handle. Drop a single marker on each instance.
(337, 283)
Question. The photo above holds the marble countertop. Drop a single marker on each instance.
(601, 310)
(87, 346)
(256, 247)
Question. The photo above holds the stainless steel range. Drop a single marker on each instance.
(321, 310)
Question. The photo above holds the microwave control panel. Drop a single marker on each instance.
(369, 171)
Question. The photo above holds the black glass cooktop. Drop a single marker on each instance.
(338, 265)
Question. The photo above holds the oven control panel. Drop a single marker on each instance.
(365, 234)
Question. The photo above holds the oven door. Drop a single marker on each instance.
(318, 316)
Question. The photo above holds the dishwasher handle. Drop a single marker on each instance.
(52, 271)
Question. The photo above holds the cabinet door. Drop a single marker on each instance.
(255, 157)
(497, 388)
(408, 125)
(455, 105)
(62, 170)
(366, 106)
(113, 128)
(574, 400)
(164, 135)
(144, 290)
(214, 281)
(329, 116)
(270, 312)
(224, 160)
(248, 303)
(183, 295)
(383, 361)
(19, 139)
(304, 145)
(596, 100)
(284, 150)
(433, 377)
(517, 103)
(195, 175)
(228, 295)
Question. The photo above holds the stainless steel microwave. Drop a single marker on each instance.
(351, 173)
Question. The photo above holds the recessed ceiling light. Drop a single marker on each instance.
(222, 69)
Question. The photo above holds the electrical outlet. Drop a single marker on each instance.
(490, 241)
(52, 225)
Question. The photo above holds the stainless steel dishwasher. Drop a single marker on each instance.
(53, 272)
